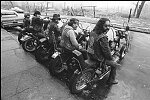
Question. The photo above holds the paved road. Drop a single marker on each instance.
(22, 78)
(134, 80)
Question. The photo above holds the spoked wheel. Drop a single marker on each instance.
(29, 45)
(123, 52)
(80, 82)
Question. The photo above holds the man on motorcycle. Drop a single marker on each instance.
(99, 49)
(70, 44)
(26, 26)
(26, 20)
(37, 24)
(53, 27)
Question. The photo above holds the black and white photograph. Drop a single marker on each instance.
(75, 50)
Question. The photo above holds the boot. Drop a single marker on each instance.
(111, 80)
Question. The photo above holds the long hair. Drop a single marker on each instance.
(99, 25)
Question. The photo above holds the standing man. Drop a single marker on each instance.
(99, 47)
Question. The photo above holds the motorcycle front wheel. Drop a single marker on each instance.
(123, 52)
(29, 45)
(79, 82)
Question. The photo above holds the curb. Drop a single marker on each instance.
(10, 35)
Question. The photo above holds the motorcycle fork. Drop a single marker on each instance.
(99, 77)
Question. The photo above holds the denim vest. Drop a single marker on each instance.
(65, 39)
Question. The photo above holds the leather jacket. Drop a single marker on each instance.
(99, 47)
(26, 22)
(37, 23)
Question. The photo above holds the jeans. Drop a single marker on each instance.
(114, 66)
(80, 57)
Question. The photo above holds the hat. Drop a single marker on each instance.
(27, 15)
(74, 20)
(37, 13)
(56, 17)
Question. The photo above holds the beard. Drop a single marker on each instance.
(106, 30)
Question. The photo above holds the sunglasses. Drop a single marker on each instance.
(106, 25)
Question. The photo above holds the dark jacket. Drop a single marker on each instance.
(99, 47)
(37, 23)
(52, 26)
(26, 22)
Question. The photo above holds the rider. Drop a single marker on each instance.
(99, 49)
(26, 20)
(69, 43)
(37, 24)
(26, 26)
(53, 26)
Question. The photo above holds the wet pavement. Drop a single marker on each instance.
(22, 78)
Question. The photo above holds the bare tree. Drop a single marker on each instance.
(140, 9)
(12, 4)
(136, 8)
(42, 7)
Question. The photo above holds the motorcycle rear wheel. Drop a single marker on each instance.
(29, 45)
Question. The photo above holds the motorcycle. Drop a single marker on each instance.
(25, 31)
(45, 49)
(30, 41)
(63, 65)
(124, 42)
(117, 44)
(83, 80)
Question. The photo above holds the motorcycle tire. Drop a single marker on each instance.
(122, 52)
(29, 45)
(41, 55)
(86, 76)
